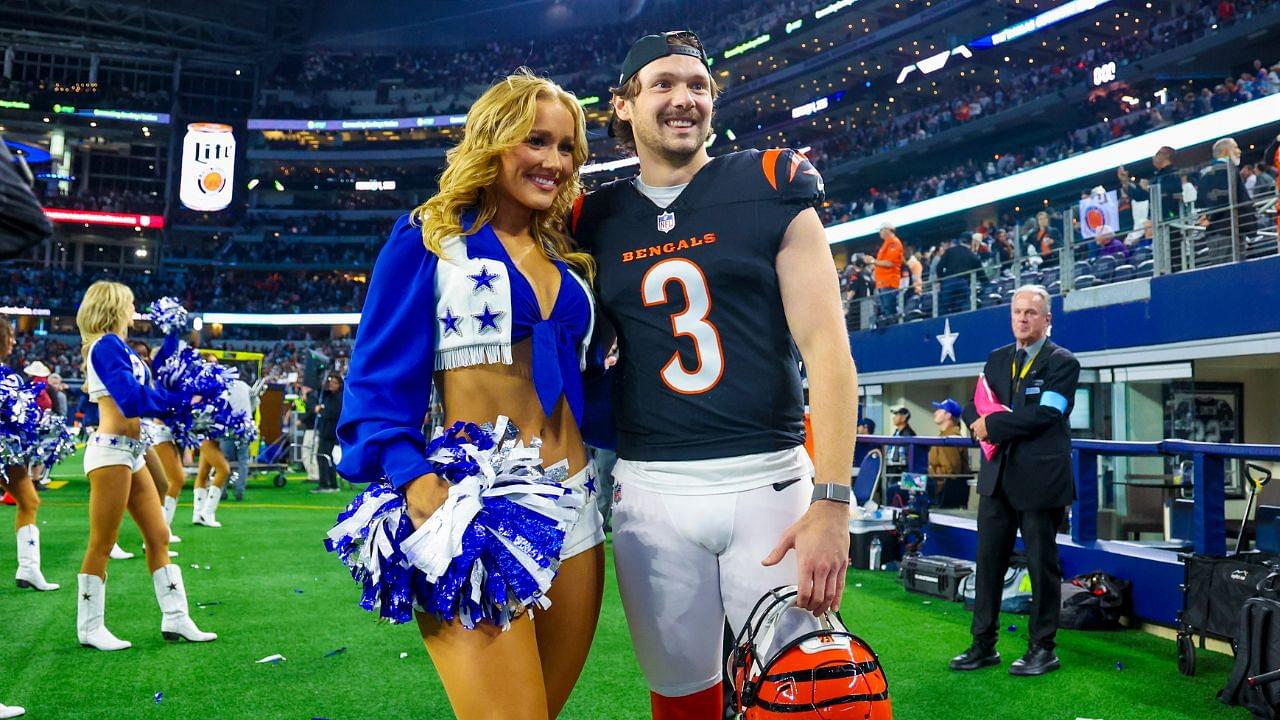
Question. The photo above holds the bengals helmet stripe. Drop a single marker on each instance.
(827, 673)
(794, 708)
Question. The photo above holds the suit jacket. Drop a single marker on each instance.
(1033, 463)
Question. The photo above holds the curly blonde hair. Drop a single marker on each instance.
(106, 308)
(499, 121)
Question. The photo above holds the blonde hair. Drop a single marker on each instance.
(104, 309)
(499, 121)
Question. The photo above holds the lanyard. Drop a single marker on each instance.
(1020, 376)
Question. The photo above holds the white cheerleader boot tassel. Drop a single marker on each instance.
(209, 514)
(11, 711)
(176, 622)
(198, 505)
(90, 608)
(119, 553)
(170, 509)
(29, 575)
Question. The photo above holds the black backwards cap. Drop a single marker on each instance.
(653, 47)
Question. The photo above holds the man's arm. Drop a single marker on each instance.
(811, 300)
(1056, 397)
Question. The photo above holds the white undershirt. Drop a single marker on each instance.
(661, 196)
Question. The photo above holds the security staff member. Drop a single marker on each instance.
(1026, 485)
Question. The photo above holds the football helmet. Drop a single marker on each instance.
(826, 674)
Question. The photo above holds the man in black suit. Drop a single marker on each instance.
(1026, 485)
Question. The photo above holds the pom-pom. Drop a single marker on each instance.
(168, 315)
(487, 554)
(29, 434)
(199, 407)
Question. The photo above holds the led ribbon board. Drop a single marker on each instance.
(365, 124)
(1065, 11)
(1192, 132)
(93, 217)
(223, 318)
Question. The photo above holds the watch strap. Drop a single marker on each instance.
(832, 491)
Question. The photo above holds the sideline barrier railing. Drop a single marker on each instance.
(1208, 478)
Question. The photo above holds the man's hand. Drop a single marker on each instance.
(821, 541)
(979, 428)
(423, 496)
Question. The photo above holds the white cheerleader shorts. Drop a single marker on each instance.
(105, 450)
(588, 531)
(154, 433)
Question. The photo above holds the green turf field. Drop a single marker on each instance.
(268, 587)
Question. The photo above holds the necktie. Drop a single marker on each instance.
(1020, 360)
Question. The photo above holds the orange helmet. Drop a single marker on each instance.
(827, 674)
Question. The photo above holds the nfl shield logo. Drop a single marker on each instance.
(666, 221)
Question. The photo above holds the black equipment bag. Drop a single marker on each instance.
(1253, 683)
(1095, 601)
(1217, 588)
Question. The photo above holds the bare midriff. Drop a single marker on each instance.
(480, 393)
(113, 422)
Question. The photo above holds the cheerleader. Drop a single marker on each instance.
(212, 463)
(119, 383)
(164, 461)
(512, 313)
(15, 480)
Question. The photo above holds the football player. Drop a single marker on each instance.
(714, 272)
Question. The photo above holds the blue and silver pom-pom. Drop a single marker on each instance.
(19, 417)
(186, 376)
(54, 441)
(168, 315)
(487, 555)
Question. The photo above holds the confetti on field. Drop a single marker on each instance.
(331, 653)
(1013, 628)
(404, 655)
(273, 659)
(158, 697)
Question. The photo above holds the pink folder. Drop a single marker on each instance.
(985, 402)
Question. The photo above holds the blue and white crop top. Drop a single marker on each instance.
(114, 370)
(425, 313)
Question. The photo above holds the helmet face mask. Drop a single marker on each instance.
(828, 674)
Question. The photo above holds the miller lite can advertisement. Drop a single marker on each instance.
(208, 167)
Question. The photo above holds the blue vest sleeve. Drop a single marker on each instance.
(388, 386)
(110, 359)
(167, 348)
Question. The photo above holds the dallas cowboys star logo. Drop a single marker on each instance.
(590, 485)
(32, 543)
(173, 586)
(488, 319)
(450, 322)
(948, 341)
(86, 596)
(483, 280)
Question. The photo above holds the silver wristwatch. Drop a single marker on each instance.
(832, 491)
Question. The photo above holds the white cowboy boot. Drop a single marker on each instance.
(119, 553)
(176, 622)
(197, 507)
(90, 607)
(209, 513)
(11, 711)
(29, 575)
(170, 508)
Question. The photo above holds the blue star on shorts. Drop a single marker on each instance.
(488, 319)
(484, 279)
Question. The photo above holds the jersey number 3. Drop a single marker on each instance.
(690, 322)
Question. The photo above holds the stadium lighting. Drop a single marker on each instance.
(1192, 132)
(93, 217)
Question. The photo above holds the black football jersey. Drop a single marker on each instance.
(707, 367)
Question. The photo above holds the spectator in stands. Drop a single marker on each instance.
(914, 280)
(1109, 244)
(888, 272)
(956, 273)
(1139, 194)
(857, 290)
(1223, 197)
(1143, 237)
(948, 464)
(1165, 183)
(1002, 248)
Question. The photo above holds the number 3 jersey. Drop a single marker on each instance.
(707, 367)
